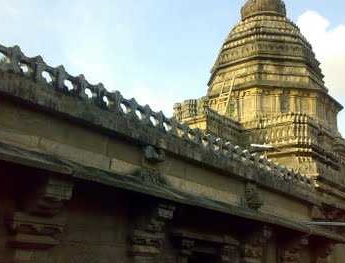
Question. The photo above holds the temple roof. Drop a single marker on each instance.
(265, 36)
(255, 7)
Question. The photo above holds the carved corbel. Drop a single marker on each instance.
(49, 197)
(252, 246)
(291, 250)
(185, 249)
(149, 232)
(323, 252)
(37, 226)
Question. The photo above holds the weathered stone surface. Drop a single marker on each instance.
(266, 87)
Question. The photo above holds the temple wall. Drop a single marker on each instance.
(97, 228)
(37, 130)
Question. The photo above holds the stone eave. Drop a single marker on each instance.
(132, 183)
(255, 62)
(276, 85)
(246, 36)
(312, 78)
(258, 57)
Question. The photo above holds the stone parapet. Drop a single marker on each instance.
(153, 125)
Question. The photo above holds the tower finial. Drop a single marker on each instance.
(256, 7)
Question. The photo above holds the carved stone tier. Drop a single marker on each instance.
(149, 233)
(37, 227)
(252, 246)
(291, 250)
(192, 245)
(185, 247)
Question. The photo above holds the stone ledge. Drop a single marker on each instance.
(166, 192)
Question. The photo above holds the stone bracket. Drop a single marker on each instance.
(149, 233)
(37, 227)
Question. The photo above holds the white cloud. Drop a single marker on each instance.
(329, 45)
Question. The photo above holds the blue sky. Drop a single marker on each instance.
(159, 51)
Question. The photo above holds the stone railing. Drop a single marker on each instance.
(14, 61)
(266, 121)
(304, 131)
(200, 107)
(291, 117)
(190, 108)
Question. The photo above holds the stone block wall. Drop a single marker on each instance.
(96, 227)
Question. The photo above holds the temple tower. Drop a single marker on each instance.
(266, 85)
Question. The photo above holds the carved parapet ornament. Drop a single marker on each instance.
(149, 233)
(154, 155)
(253, 198)
(38, 226)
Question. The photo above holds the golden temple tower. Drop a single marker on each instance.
(267, 88)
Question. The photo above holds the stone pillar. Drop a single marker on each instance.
(148, 234)
(37, 226)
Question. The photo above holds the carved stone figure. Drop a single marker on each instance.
(253, 197)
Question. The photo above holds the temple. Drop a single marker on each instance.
(251, 173)
(266, 88)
